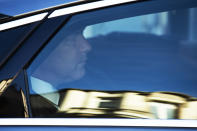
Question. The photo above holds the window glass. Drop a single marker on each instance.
(136, 67)
(152, 23)
(10, 38)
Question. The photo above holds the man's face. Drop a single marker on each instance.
(68, 59)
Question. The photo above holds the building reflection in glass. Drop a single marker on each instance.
(127, 104)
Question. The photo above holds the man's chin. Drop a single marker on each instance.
(77, 75)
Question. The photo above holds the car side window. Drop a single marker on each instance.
(141, 66)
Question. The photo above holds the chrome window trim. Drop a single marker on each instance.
(23, 21)
(98, 122)
(89, 6)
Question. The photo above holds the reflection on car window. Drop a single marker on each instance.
(17, 34)
(11, 100)
(137, 67)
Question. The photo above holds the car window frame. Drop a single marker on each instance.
(116, 121)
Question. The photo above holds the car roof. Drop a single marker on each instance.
(9, 7)
(37, 10)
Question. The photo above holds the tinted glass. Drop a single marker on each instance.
(133, 67)
(11, 38)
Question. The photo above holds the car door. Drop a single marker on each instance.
(109, 66)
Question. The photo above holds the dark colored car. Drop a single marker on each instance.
(111, 65)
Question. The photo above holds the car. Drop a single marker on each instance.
(102, 64)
